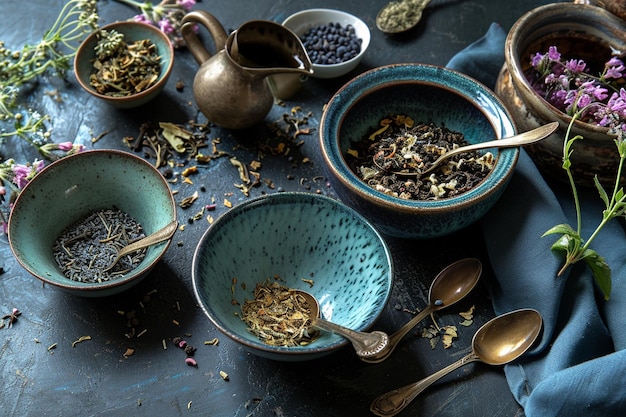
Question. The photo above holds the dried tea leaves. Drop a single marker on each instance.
(123, 69)
(401, 146)
(85, 249)
(278, 316)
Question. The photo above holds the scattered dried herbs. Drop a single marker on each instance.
(121, 68)
(434, 333)
(80, 340)
(279, 316)
(468, 317)
(86, 248)
(399, 145)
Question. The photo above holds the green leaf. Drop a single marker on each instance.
(566, 243)
(600, 270)
(562, 228)
(601, 191)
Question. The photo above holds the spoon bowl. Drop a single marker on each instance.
(400, 16)
(499, 341)
(157, 237)
(520, 139)
(449, 286)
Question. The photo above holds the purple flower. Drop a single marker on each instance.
(65, 146)
(141, 19)
(594, 90)
(614, 71)
(166, 26)
(554, 54)
(24, 173)
(186, 4)
(536, 60)
(575, 66)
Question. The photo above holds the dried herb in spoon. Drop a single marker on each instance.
(123, 69)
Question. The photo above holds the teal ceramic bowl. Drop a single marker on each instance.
(72, 188)
(426, 93)
(132, 31)
(297, 237)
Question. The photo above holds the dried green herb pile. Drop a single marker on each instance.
(278, 316)
(123, 69)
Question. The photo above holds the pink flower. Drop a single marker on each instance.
(186, 4)
(141, 19)
(24, 173)
(20, 173)
(65, 146)
(166, 26)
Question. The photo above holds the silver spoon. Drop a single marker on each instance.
(156, 237)
(449, 286)
(499, 341)
(520, 139)
(400, 16)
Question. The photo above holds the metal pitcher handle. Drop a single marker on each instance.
(195, 45)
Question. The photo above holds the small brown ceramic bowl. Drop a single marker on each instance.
(132, 31)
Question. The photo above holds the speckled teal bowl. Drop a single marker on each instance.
(295, 236)
(427, 94)
(72, 188)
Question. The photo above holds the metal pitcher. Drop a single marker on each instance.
(231, 87)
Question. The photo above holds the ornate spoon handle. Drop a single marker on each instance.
(392, 402)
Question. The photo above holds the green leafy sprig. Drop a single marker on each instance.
(571, 241)
(53, 53)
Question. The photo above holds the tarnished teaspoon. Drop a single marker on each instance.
(452, 284)
(156, 237)
(521, 139)
(499, 341)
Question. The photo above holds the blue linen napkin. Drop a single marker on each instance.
(578, 367)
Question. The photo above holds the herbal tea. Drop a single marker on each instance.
(123, 69)
(279, 316)
(399, 147)
(85, 249)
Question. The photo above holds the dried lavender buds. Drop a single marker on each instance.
(85, 249)
(123, 69)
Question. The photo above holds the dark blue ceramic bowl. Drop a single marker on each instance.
(427, 94)
(304, 239)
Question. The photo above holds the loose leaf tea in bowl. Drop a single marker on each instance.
(279, 316)
(121, 68)
(86, 248)
(388, 156)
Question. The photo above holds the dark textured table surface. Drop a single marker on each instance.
(95, 378)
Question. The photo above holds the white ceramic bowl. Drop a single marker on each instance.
(304, 20)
